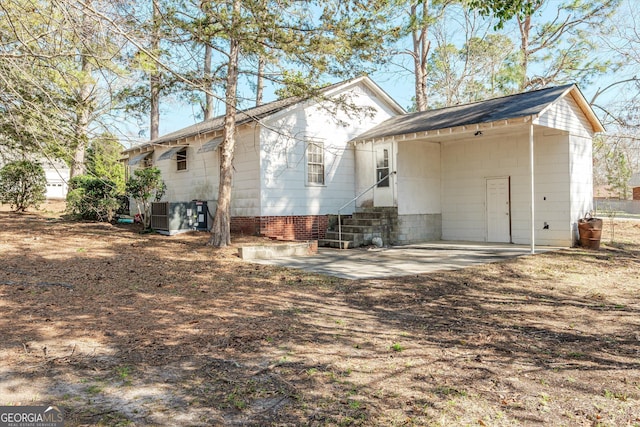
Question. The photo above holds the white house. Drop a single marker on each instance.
(458, 173)
(293, 163)
(56, 171)
(58, 174)
(464, 172)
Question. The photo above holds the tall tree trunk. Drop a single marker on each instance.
(77, 162)
(421, 46)
(221, 229)
(78, 166)
(83, 114)
(83, 117)
(260, 82)
(154, 78)
(208, 102)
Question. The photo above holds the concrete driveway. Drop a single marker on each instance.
(396, 261)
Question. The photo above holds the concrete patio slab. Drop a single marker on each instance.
(397, 261)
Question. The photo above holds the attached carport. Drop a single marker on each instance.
(513, 169)
(398, 261)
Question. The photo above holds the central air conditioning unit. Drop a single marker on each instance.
(179, 217)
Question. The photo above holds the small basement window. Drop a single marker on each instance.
(181, 160)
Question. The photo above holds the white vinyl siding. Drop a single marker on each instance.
(245, 195)
(283, 154)
(198, 182)
(581, 172)
(418, 178)
(441, 177)
(565, 114)
(466, 165)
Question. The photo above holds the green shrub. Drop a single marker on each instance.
(103, 160)
(23, 184)
(92, 198)
(146, 185)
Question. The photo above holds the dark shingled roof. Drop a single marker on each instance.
(492, 110)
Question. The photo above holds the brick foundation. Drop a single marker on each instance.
(249, 225)
(307, 227)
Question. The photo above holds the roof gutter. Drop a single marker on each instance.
(456, 130)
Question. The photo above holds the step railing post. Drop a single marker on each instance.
(353, 200)
(339, 231)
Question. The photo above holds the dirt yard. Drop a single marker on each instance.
(126, 329)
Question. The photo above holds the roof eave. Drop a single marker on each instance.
(455, 130)
(150, 146)
(138, 149)
(584, 105)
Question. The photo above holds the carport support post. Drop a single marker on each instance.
(533, 198)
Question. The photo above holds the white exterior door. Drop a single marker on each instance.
(384, 191)
(498, 210)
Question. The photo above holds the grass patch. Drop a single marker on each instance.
(449, 391)
(94, 389)
(396, 347)
(123, 373)
(615, 395)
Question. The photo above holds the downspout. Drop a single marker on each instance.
(531, 166)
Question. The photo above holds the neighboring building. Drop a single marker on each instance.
(634, 184)
(56, 171)
(58, 174)
(458, 173)
(605, 192)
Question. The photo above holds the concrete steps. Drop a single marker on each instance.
(335, 243)
(358, 229)
(356, 239)
(362, 227)
(363, 222)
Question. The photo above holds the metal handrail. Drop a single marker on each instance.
(356, 198)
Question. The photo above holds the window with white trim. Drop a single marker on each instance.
(181, 160)
(315, 163)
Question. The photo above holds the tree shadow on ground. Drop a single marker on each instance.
(165, 331)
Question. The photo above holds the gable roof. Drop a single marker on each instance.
(263, 111)
(509, 107)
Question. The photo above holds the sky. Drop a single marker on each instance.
(395, 79)
(175, 115)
